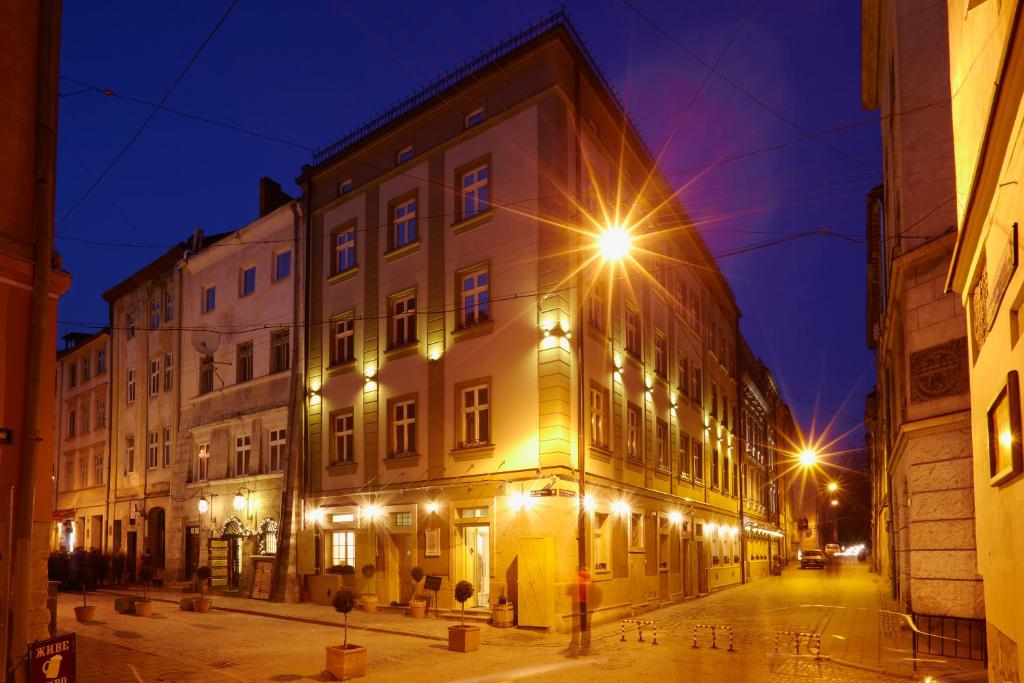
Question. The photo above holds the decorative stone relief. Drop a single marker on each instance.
(939, 371)
(979, 310)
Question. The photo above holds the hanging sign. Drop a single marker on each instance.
(53, 660)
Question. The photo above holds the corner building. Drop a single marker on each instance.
(465, 358)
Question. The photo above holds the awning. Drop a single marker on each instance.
(64, 514)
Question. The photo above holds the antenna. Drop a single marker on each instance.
(205, 342)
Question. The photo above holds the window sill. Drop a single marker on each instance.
(472, 452)
(636, 465)
(470, 223)
(341, 468)
(408, 349)
(343, 275)
(341, 368)
(475, 330)
(399, 252)
(596, 332)
(600, 452)
(399, 460)
(662, 473)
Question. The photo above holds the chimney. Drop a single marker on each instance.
(271, 196)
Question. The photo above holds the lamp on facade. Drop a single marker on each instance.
(834, 502)
(620, 507)
(589, 503)
(808, 458)
(432, 507)
(204, 505)
(238, 502)
(315, 516)
(675, 517)
(833, 487)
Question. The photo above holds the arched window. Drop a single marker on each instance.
(266, 541)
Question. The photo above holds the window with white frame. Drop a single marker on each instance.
(715, 470)
(344, 250)
(344, 438)
(154, 376)
(694, 318)
(86, 425)
(660, 354)
(661, 442)
(683, 374)
(475, 409)
(599, 416)
(203, 462)
(474, 117)
(154, 313)
(130, 385)
(243, 362)
(475, 191)
(343, 340)
(696, 388)
(475, 297)
(282, 265)
(345, 186)
(403, 427)
(243, 453)
(343, 548)
(403, 319)
(697, 446)
(129, 454)
(403, 223)
(168, 371)
(684, 455)
(280, 358)
(86, 369)
(278, 441)
(636, 531)
(83, 471)
(69, 473)
(209, 298)
(72, 374)
(206, 374)
(247, 281)
(101, 413)
(633, 432)
(129, 326)
(167, 447)
(633, 339)
(98, 469)
(152, 449)
(101, 361)
(602, 542)
(72, 424)
(597, 307)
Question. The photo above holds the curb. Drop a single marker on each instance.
(873, 669)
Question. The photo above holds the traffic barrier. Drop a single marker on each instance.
(639, 629)
(715, 628)
(813, 641)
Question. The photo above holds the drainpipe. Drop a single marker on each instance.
(741, 444)
(581, 437)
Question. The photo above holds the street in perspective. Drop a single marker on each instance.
(479, 342)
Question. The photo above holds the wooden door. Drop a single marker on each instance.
(536, 589)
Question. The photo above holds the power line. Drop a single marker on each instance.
(152, 113)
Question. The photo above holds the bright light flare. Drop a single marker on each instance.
(833, 486)
(808, 458)
(614, 243)
(316, 516)
(620, 507)
(1005, 439)
(371, 511)
(675, 517)
(589, 503)
(835, 502)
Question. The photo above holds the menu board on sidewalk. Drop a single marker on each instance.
(218, 563)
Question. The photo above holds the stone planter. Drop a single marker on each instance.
(418, 608)
(344, 663)
(203, 605)
(124, 605)
(502, 615)
(85, 613)
(369, 603)
(463, 638)
(144, 608)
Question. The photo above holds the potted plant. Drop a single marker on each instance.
(502, 613)
(203, 603)
(143, 606)
(463, 638)
(85, 612)
(345, 661)
(369, 598)
(417, 605)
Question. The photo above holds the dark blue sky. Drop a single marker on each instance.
(307, 72)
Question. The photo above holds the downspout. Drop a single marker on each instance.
(176, 408)
(39, 327)
(741, 443)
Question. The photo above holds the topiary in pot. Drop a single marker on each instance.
(85, 612)
(417, 605)
(463, 638)
(345, 661)
(143, 606)
(203, 603)
(369, 598)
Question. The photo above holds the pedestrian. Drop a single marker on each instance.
(117, 565)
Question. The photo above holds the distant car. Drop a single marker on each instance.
(831, 549)
(812, 558)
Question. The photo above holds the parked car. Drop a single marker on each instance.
(812, 558)
(831, 550)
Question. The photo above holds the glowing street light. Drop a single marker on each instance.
(835, 502)
(808, 458)
(614, 243)
(833, 487)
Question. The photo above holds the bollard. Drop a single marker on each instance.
(695, 645)
(639, 632)
(622, 631)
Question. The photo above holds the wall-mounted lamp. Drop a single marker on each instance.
(620, 507)
(204, 505)
(589, 503)
(315, 516)
(370, 377)
(432, 507)
(435, 353)
(371, 511)
(238, 502)
(675, 517)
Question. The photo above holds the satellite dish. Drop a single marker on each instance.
(205, 341)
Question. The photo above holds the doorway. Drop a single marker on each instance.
(702, 569)
(132, 547)
(191, 551)
(155, 537)
(687, 569)
(399, 584)
(477, 562)
(234, 561)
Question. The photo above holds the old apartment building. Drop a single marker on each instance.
(469, 354)
(919, 418)
(81, 457)
(986, 79)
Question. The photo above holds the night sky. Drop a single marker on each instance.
(307, 72)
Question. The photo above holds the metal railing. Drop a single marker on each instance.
(955, 637)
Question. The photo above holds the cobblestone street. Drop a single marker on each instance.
(841, 603)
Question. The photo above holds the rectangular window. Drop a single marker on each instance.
(403, 155)
(344, 250)
(152, 449)
(403, 319)
(101, 413)
(726, 467)
(86, 369)
(72, 374)
(475, 296)
(278, 441)
(154, 377)
(596, 307)
(661, 441)
(343, 548)
(247, 281)
(599, 416)
(86, 425)
(633, 432)
(130, 388)
(72, 424)
(83, 472)
(243, 453)
(167, 447)
(97, 472)
(474, 117)
(475, 191)
(602, 542)
(715, 474)
(660, 354)
(168, 306)
(203, 462)
(154, 314)
(694, 318)
(343, 341)
(401, 519)
(403, 223)
(473, 513)
(475, 407)
(344, 438)
(345, 186)
(636, 531)
(243, 362)
(714, 400)
(684, 455)
(129, 325)
(684, 374)
(280, 358)
(206, 374)
(69, 473)
(209, 298)
(282, 265)
(696, 390)
(129, 454)
(403, 427)
(698, 459)
(101, 361)
(168, 371)
(633, 339)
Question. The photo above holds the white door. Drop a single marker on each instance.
(478, 563)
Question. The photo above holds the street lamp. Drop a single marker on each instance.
(614, 243)
(808, 458)
(835, 502)
(833, 487)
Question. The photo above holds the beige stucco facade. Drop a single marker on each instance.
(986, 79)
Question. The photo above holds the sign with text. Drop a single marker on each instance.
(53, 660)
(6, 436)
(432, 583)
